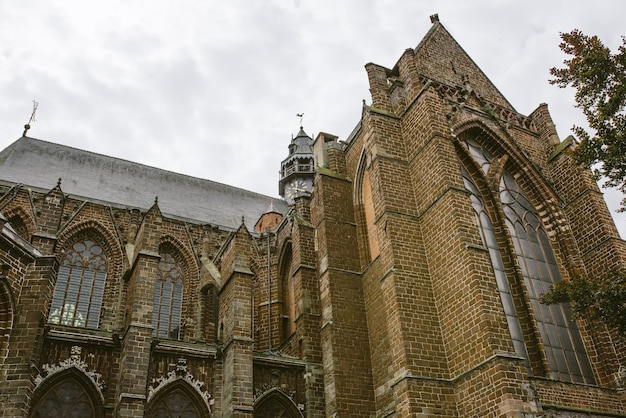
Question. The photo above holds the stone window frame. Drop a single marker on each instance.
(275, 402)
(490, 172)
(192, 292)
(168, 401)
(169, 287)
(81, 283)
(82, 383)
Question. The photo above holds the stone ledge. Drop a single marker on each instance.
(181, 347)
(81, 336)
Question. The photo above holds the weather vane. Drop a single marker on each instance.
(32, 117)
(300, 115)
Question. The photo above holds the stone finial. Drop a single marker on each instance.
(434, 18)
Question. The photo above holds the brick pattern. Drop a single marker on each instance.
(432, 287)
(26, 339)
(344, 338)
(376, 290)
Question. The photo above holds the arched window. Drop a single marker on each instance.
(79, 289)
(168, 299)
(488, 237)
(178, 400)
(67, 397)
(273, 404)
(560, 335)
(562, 342)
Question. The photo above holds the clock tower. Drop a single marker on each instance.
(298, 169)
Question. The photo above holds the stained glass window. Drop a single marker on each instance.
(78, 293)
(168, 299)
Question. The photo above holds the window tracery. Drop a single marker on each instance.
(176, 404)
(68, 389)
(488, 236)
(178, 395)
(562, 342)
(66, 399)
(79, 290)
(168, 299)
(276, 404)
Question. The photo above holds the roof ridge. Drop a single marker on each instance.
(13, 145)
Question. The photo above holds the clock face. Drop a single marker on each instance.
(297, 188)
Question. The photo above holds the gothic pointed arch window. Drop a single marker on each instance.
(562, 343)
(488, 236)
(177, 400)
(275, 403)
(168, 298)
(79, 289)
(68, 395)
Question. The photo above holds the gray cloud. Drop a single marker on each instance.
(211, 89)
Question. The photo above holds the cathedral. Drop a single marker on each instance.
(399, 275)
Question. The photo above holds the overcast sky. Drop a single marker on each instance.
(212, 88)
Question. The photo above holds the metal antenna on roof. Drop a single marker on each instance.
(300, 115)
(32, 118)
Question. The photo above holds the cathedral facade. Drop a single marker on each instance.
(398, 276)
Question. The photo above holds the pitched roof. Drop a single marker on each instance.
(440, 57)
(38, 164)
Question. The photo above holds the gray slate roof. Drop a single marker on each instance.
(36, 163)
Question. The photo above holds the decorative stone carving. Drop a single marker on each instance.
(180, 372)
(75, 361)
(266, 387)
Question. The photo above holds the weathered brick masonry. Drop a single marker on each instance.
(398, 277)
